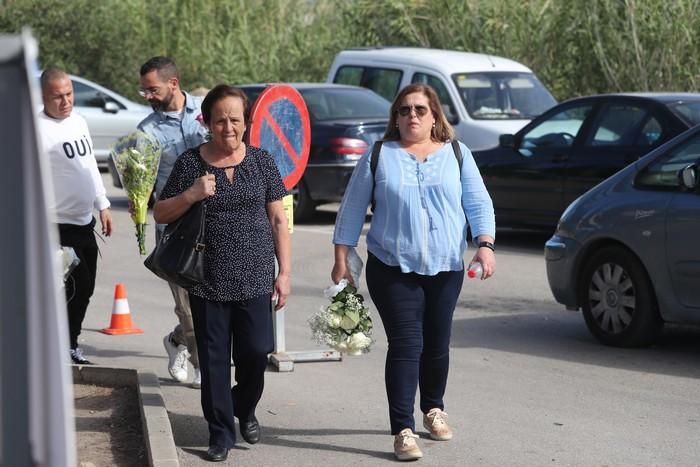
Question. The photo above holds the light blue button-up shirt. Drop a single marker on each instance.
(421, 209)
(175, 135)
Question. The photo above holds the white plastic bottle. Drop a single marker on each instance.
(475, 270)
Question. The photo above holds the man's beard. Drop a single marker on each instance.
(163, 104)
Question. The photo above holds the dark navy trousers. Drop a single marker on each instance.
(416, 312)
(242, 330)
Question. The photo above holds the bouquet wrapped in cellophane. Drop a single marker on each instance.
(136, 157)
(345, 324)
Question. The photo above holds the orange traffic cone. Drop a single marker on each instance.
(121, 317)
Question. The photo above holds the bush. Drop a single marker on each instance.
(575, 47)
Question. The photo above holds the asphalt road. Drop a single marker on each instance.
(528, 385)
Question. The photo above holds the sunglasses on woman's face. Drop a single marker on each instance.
(420, 110)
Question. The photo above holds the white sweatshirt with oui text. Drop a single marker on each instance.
(77, 183)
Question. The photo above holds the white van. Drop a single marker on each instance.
(483, 96)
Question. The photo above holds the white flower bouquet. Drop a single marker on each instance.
(345, 324)
(136, 157)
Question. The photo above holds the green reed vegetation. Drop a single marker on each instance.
(576, 47)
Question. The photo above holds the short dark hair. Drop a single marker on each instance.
(51, 74)
(221, 91)
(441, 132)
(165, 66)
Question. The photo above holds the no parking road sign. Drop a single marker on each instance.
(279, 123)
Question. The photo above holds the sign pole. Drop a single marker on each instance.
(280, 124)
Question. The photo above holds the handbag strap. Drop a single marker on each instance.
(203, 170)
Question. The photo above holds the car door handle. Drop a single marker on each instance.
(560, 157)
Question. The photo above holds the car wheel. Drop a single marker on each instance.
(304, 206)
(619, 305)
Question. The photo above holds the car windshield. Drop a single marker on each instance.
(503, 96)
(334, 104)
(688, 111)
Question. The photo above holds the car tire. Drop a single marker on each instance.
(304, 206)
(618, 301)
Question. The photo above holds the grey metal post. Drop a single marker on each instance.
(15, 447)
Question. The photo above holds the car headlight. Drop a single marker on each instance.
(565, 227)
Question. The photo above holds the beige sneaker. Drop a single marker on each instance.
(435, 421)
(405, 446)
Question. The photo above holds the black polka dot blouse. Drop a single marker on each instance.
(239, 260)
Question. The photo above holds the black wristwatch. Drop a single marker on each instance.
(488, 245)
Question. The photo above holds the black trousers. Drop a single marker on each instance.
(416, 312)
(81, 283)
(242, 330)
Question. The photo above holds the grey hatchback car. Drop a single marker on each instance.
(626, 253)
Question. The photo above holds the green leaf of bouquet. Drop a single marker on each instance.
(354, 316)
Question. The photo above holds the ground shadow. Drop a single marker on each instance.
(192, 430)
(564, 336)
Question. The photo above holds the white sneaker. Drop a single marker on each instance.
(405, 446)
(435, 421)
(177, 359)
(197, 381)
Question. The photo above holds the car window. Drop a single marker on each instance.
(383, 81)
(333, 104)
(436, 83)
(663, 172)
(87, 96)
(502, 96)
(349, 75)
(687, 111)
(559, 129)
(625, 125)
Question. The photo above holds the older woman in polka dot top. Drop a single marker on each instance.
(246, 231)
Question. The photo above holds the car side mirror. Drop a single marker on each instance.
(506, 141)
(110, 107)
(688, 177)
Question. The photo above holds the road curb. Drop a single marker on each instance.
(157, 432)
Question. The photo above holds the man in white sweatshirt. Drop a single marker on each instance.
(78, 189)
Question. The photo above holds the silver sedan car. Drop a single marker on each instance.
(626, 252)
(109, 115)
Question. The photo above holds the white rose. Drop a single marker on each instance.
(359, 341)
(334, 321)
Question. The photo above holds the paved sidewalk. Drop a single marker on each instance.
(528, 384)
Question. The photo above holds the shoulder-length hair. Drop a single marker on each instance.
(441, 132)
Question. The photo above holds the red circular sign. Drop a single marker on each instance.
(279, 124)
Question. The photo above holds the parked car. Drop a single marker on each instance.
(345, 122)
(533, 175)
(483, 95)
(109, 115)
(626, 251)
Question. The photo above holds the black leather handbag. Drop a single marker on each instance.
(179, 255)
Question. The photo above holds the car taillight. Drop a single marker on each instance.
(348, 146)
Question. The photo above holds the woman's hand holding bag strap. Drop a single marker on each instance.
(179, 255)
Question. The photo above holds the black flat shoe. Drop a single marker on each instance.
(250, 430)
(217, 453)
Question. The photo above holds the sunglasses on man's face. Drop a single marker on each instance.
(420, 110)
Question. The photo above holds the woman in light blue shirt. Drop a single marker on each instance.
(423, 197)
